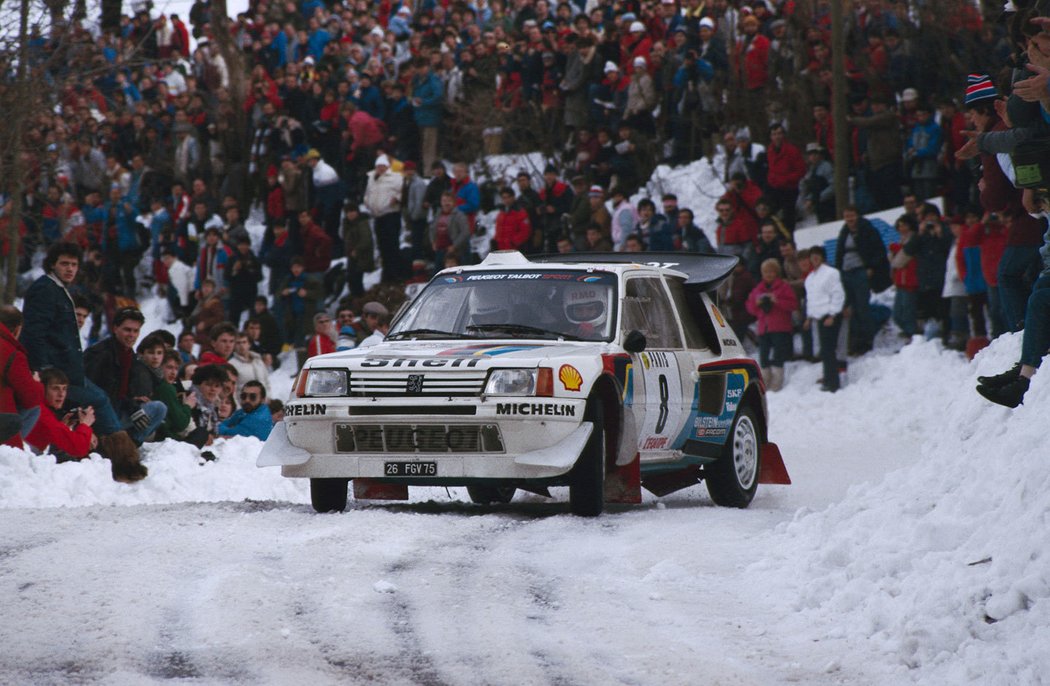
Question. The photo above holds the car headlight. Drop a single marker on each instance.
(511, 382)
(322, 383)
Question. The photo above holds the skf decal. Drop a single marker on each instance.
(305, 410)
(718, 316)
(535, 409)
(570, 377)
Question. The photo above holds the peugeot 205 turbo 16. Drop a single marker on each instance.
(590, 371)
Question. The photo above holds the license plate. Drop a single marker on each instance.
(410, 469)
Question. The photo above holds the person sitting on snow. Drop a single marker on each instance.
(68, 434)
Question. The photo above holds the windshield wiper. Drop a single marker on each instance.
(523, 329)
(425, 332)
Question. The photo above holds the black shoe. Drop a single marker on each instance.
(1010, 394)
(1000, 380)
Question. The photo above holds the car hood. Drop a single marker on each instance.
(458, 354)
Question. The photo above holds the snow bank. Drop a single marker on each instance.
(177, 473)
(698, 186)
(943, 563)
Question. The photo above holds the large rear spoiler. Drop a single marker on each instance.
(702, 270)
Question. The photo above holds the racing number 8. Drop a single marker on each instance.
(661, 420)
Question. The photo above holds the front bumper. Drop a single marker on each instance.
(536, 438)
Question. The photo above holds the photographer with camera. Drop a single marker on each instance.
(772, 302)
(66, 435)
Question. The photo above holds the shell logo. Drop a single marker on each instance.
(570, 377)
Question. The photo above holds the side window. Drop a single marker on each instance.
(647, 309)
(694, 339)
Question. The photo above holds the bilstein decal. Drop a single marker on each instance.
(535, 409)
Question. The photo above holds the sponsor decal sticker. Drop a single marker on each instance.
(655, 443)
(535, 410)
(305, 410)
(570, 377)
(718, 315)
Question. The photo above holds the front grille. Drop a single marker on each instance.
(418, 438)
(415, 383)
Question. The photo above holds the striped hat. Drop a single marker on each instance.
(979, 87)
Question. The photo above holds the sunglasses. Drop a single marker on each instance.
(249, 396)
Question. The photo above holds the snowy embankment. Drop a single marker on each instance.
(912, 541)
(941, 565)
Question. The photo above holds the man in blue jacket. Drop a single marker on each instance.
(428, 95)
(253, 419)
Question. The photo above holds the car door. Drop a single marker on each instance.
(658, 372)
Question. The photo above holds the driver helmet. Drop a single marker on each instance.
(585, 304)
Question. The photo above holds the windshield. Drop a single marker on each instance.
(551, 304)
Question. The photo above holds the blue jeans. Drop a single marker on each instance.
(1013, 292)
(1036, 337)
(156, 411)
(995, 312)
(106, 420)
(858, 299)
(904, 308)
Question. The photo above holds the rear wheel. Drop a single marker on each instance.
(328, 495)
(733, 479)
(483, 495)
(587, 485)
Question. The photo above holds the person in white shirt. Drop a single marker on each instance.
(379, 333)
(825, 298)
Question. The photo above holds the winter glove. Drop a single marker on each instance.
(140, 419)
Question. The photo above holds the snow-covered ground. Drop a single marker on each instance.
(911, 548)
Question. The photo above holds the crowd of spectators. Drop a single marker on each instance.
(143, 170)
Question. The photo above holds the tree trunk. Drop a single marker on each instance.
(14, 154)
(838, 106)
(111, 15)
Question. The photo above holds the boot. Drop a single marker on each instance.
(767, 377)
(1000, 380)
(776, 378)
(1010, 394)
(123, 455)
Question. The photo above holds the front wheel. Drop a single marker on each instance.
(733, 479)
(587, 485)
(328, 495)
(483, 495)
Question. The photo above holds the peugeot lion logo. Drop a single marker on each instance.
(415, 383)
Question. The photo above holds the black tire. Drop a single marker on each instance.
(733, 479)
(483, 495)
(587, 483)
(328, 495)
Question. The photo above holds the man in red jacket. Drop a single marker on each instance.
(786, 169)
(323, 340)
(513, 230)
(19, 391)
(751, 58)
(69, 434)
(317, 245)
(736, 231)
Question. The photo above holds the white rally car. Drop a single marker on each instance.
(586, 370)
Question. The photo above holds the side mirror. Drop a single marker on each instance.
(634, 342)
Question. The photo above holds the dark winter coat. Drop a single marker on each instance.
(930, 253)
(50, 333)
(102, 366)
(872, 253)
